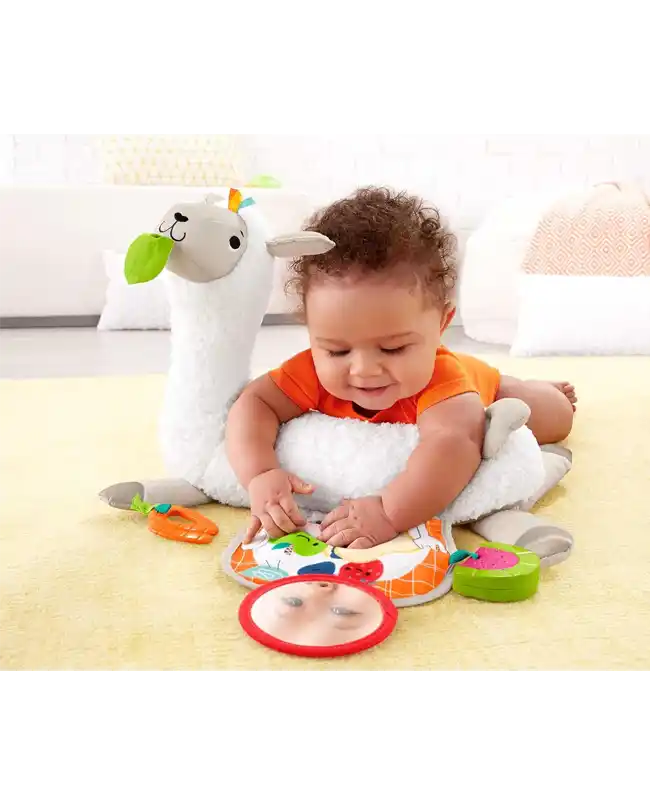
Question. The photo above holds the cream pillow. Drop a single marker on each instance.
(170, 160)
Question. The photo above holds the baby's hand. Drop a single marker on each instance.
(357, 523)
(272, 504)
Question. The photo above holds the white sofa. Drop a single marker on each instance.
(52, 239)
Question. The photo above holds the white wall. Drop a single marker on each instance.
(461, 174)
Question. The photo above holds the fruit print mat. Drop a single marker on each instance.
(87, 587)
(411, 569)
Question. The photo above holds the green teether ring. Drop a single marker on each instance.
(146, 257)
(500, 573)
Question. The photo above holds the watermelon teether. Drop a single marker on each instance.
(500, 573)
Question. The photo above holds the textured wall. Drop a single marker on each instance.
(462, 174)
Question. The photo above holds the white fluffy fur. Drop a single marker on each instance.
(350, 458)
(214, 327)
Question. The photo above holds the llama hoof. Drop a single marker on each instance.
(154, 492)
(550, 543)
(560, 450)
(121, 495)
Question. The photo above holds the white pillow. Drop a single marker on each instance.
(487, 296)
(582, 315)
(132, 307)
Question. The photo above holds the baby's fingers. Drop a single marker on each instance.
(281, 519)
(298, 486)
(291, 509)
(272, 529)
(341, 512)
(342, 538)
(362, 543)
(252, 530)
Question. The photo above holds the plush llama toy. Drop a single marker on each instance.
(219, 259)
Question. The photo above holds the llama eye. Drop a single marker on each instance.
(341, 611)
(235, 242)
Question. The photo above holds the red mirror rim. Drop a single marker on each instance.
(379, 635)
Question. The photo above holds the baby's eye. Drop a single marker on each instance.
(295, 602)
(342, 611)
(337, 353)
(394, 350)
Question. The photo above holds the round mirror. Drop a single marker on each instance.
(317, 616)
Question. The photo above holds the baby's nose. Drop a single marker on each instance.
(364, 366)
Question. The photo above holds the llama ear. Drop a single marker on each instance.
(300, 244)
(213, 198)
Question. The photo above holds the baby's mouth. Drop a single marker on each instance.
(373, 391)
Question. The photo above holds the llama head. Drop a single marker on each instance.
(203, 242)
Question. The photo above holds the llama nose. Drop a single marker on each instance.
(180, 218)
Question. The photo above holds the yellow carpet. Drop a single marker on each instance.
(86, 587)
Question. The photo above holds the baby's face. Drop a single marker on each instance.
(373, 342)
(317, 613)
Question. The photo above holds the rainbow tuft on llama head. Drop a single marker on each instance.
(236, 201)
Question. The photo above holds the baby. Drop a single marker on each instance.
(376, 307)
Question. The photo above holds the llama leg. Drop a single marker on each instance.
(155, 492)
(557, 463)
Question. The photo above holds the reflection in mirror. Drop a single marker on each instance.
(317, 612)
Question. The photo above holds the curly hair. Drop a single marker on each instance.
(375, 230)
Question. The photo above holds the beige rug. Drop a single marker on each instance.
(85, 587)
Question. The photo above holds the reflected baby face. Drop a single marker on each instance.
(317, 613)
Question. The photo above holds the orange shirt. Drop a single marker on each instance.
(452, 375)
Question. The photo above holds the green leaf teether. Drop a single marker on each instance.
(146, 257)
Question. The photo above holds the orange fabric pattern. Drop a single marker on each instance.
(453, 375)
(603, 232)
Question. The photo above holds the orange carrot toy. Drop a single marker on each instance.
(196, 529)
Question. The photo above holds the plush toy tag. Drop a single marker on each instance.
(146, 258)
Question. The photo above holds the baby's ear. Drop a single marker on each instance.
(300, 244)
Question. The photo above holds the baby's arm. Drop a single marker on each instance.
(251, 432)
(444, 461)
(252, 429)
